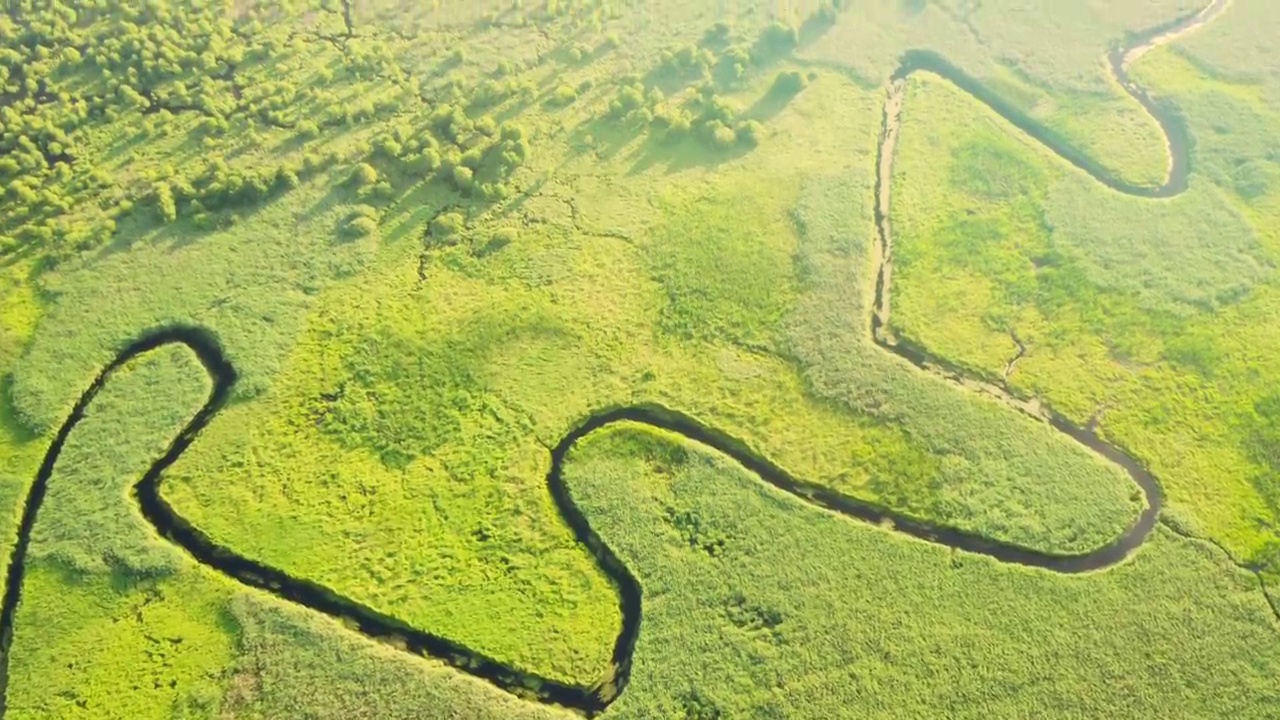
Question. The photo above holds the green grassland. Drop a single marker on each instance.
(422, 392)
(801, 613)
(434, 241)
(1148, 313)
(1063, 83)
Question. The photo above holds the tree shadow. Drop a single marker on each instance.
(773, 102)
(676, 155)
(12, 428)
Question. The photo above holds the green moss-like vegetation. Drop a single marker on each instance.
(1142, 313)
(789, 617)
(293, 664)
(434, 237)
(109, 624)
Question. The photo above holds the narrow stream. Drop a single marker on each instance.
(595, 699)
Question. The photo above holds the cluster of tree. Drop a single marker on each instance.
(133, 57)
(66, 66)
(493, 91)
(708, 118)
(215, 185)
(716, 57)
(476, 156)
(715, 62)
(634, 102)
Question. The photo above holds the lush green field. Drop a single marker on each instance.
(1154, 315)
(436, 239)
(801, 613)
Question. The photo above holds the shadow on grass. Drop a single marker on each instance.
(677, 155)
(12, 429)
(771, 104)
(23, 252)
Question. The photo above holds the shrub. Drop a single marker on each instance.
(749, 133)
(630, 97)
(361, 227)
(473, 158)
(717, 34)
(679, 125)
(512, 132)
(501, 238)
(364, 175)
(463, 177)
(788, 83)
(775, 40)
(447, 224)
(564, 95)
(165, 202)
(828, 12)
(366, 211)
(487, 126)
(388, 147)
(428, 160)
(722, 135)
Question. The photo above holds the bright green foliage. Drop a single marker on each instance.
(89, 522)
(411, 415)
(430, 252)
(1143, 255)
(724, 269)
(113, 623)
(788, 617)
(564, 95)
(362, 226)
(1148, 314)
(294, 664)
(117, 646)
(364, 174)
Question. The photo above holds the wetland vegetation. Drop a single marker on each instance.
(401, 269)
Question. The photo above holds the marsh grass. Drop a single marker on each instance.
(398, 390)
(1139, 313)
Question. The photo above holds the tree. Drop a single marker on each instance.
(749, 133)
(788, 83)
(429, 160)
(777, 39)
(463, 177)
(564, 95)
(487, 126)
(473, 158)
(512, 132)
(722, 135)
(505, 236)
(447, 224)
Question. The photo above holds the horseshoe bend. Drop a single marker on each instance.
(524, 278)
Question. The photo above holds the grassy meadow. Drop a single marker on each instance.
(802, 613)
(433, 238)
(1147, 315)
